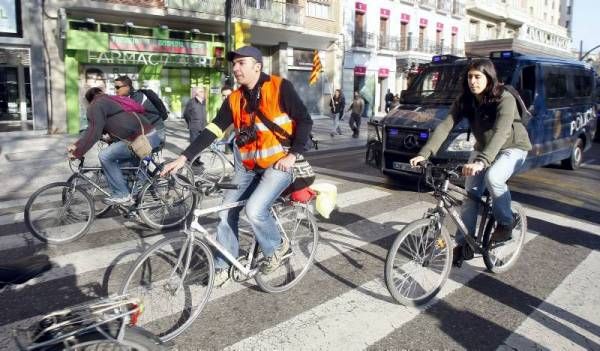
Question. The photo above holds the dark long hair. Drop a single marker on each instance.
(492, 92)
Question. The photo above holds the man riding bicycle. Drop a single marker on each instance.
(501, 146)
(105, 115)
(272, 127)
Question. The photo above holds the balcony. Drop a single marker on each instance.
(409, 43)
(428, 4)
(364, 40)
(273, 11)
(444, 6)
(458, 9)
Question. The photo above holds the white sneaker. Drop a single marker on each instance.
(126, 200)
(221, 277)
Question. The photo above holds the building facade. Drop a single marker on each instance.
(22, 79)
(527, 26)
(173, 46)
(566, 14)
(385, 41)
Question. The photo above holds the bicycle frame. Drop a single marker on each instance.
(141, 171)
(447, 206)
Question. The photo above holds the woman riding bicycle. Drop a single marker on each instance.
(501, 146)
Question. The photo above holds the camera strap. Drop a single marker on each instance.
(277, 130)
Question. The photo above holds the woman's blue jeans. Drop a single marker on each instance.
(494, 179)
(261, 189)
(117, 154)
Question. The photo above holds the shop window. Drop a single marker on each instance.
(85, 26)
(145, 32)
(178, 34)
(319, 9)
(114, 29)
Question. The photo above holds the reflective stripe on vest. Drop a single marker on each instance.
(262, 153)
(280, 121)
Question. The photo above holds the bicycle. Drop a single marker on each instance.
(419, 261)
(103, 324)
(62, 212)
(213, 165)
(175, 276)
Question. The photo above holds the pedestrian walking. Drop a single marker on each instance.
(356, 110)
(337, 104)
(389, 99)
(194, 112)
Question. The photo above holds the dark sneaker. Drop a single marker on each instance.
(221, 277)
(270, 263)
(502, 233)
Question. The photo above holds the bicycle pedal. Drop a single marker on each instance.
(440, 244)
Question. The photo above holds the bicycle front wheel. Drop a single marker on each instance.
(210, 167)
(165, 204)
(173, 284)
(500, 257)
(418, 263)
(59, 213)
(98, 196)
(300, 228)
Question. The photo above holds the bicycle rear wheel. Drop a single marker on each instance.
(418, 263)
(500, 257)
(165, 204)
(300, 228)
(59, 213)
(172, 300)
(97, 176)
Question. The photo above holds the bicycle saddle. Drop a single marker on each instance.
(20, 271)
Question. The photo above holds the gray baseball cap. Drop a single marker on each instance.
(245, 51)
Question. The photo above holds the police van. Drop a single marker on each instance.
(559, 93)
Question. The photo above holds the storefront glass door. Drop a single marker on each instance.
(9, 94)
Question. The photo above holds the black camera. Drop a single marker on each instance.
(246, 135)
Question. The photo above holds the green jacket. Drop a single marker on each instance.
(495, 128)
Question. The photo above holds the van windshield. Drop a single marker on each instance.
(443, 83)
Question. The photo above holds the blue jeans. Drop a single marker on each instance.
(261, 189)
(111, 159)
(494, 179)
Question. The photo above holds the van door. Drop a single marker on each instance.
(556, 114)
(528, 82)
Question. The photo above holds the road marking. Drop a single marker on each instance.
(361, 195)
(351, 321)
(351, 175)
(336, 154)
(568, 319)
(563, 221)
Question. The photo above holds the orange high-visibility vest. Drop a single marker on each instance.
(267, 149)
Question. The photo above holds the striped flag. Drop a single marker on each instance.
(316, 69)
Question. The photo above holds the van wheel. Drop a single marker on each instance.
(574, 162)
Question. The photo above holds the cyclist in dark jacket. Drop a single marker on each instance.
(501, 145)
(105, 115)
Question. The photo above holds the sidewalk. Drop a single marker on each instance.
(29, 160)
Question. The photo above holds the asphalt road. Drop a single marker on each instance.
(549, 300)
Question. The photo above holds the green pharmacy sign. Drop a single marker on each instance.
(167, 46)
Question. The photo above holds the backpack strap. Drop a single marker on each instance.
(523, 112)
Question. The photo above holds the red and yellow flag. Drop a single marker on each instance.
(316, 69)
